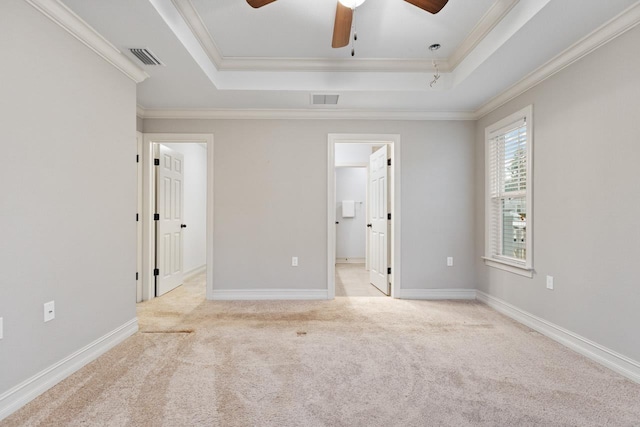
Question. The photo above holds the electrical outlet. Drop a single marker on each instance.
(1, 328)
(550, 282)
(49, 311)
(294, 261)
(450, 261)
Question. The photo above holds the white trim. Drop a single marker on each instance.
(511, 268)
(396, 260)
(139, 208)
(268, 294)
(23, 393)
(352, 165)
(498, 10)
(189, 14)
(438, 294)
(140, 111)
(301, 114)
(199, 30)
(523, 116)
(147, 209)
(615, 361)
(57, 12)
(602, 35)
(194, 272)
(351, 260)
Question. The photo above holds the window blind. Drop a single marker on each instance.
(508, 191)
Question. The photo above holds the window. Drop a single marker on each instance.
(508, 193)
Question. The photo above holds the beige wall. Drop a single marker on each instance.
(68, 177)
(586, 204)
(271, 199)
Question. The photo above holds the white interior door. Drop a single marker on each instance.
(379, 224)
(169, 205)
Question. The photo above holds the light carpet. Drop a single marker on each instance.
(363, 361)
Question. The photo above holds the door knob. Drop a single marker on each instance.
(183, 225)
(369, 225)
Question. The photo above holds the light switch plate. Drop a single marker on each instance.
(1, 328)
(49, 311)
(550, 282)
(450, 261)
(294, 261)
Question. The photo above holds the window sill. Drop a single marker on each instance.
(507, 266)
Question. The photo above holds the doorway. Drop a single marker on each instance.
(363, 224)
(200, 218)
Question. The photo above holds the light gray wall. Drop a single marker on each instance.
(195, 204)
(352, 153)
(271, 199)
(586, 179)
(351, 184)
(67, 211)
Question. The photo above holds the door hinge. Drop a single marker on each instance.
(137, 217)
(156, 162)
(137, 158)
(136, 275)
(156, 272)
(156, 217)
(389, 270)
(388, 216)
(388, 162)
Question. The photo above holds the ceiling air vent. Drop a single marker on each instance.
(146, 56)
(320, 99)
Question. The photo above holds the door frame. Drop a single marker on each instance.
(139, 191)
(148, 225)
(393, 140)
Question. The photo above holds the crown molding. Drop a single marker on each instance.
(301, 114)
(615, 27)
(57, 12)
(140, 111)
(194, 21)
(333, 64)
(498, 10)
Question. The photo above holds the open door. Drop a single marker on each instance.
(379, 223)
(169, 206)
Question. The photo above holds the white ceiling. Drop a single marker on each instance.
(223, 54)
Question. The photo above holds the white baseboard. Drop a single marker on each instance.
(350, 261)
(23, 393)
(194, 272)
(269, 294)
(437, 294)
(594, 351)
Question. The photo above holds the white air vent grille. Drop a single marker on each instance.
(146, 56)
(323, 99)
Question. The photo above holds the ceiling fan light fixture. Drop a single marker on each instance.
(351, 3)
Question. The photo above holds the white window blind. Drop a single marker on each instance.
(508, 191)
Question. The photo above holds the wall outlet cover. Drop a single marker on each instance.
(550, 282)
(450, 261)
(294, 261)
(49, 311)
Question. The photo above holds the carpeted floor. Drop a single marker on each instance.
(353, 361)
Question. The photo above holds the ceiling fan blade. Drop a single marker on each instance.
(259, 3)
(431, 6)
(342, 26)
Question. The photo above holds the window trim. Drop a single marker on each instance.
(524, 268)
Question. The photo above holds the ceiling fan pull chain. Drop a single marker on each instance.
(355, 32)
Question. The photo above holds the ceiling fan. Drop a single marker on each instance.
(344, 15)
